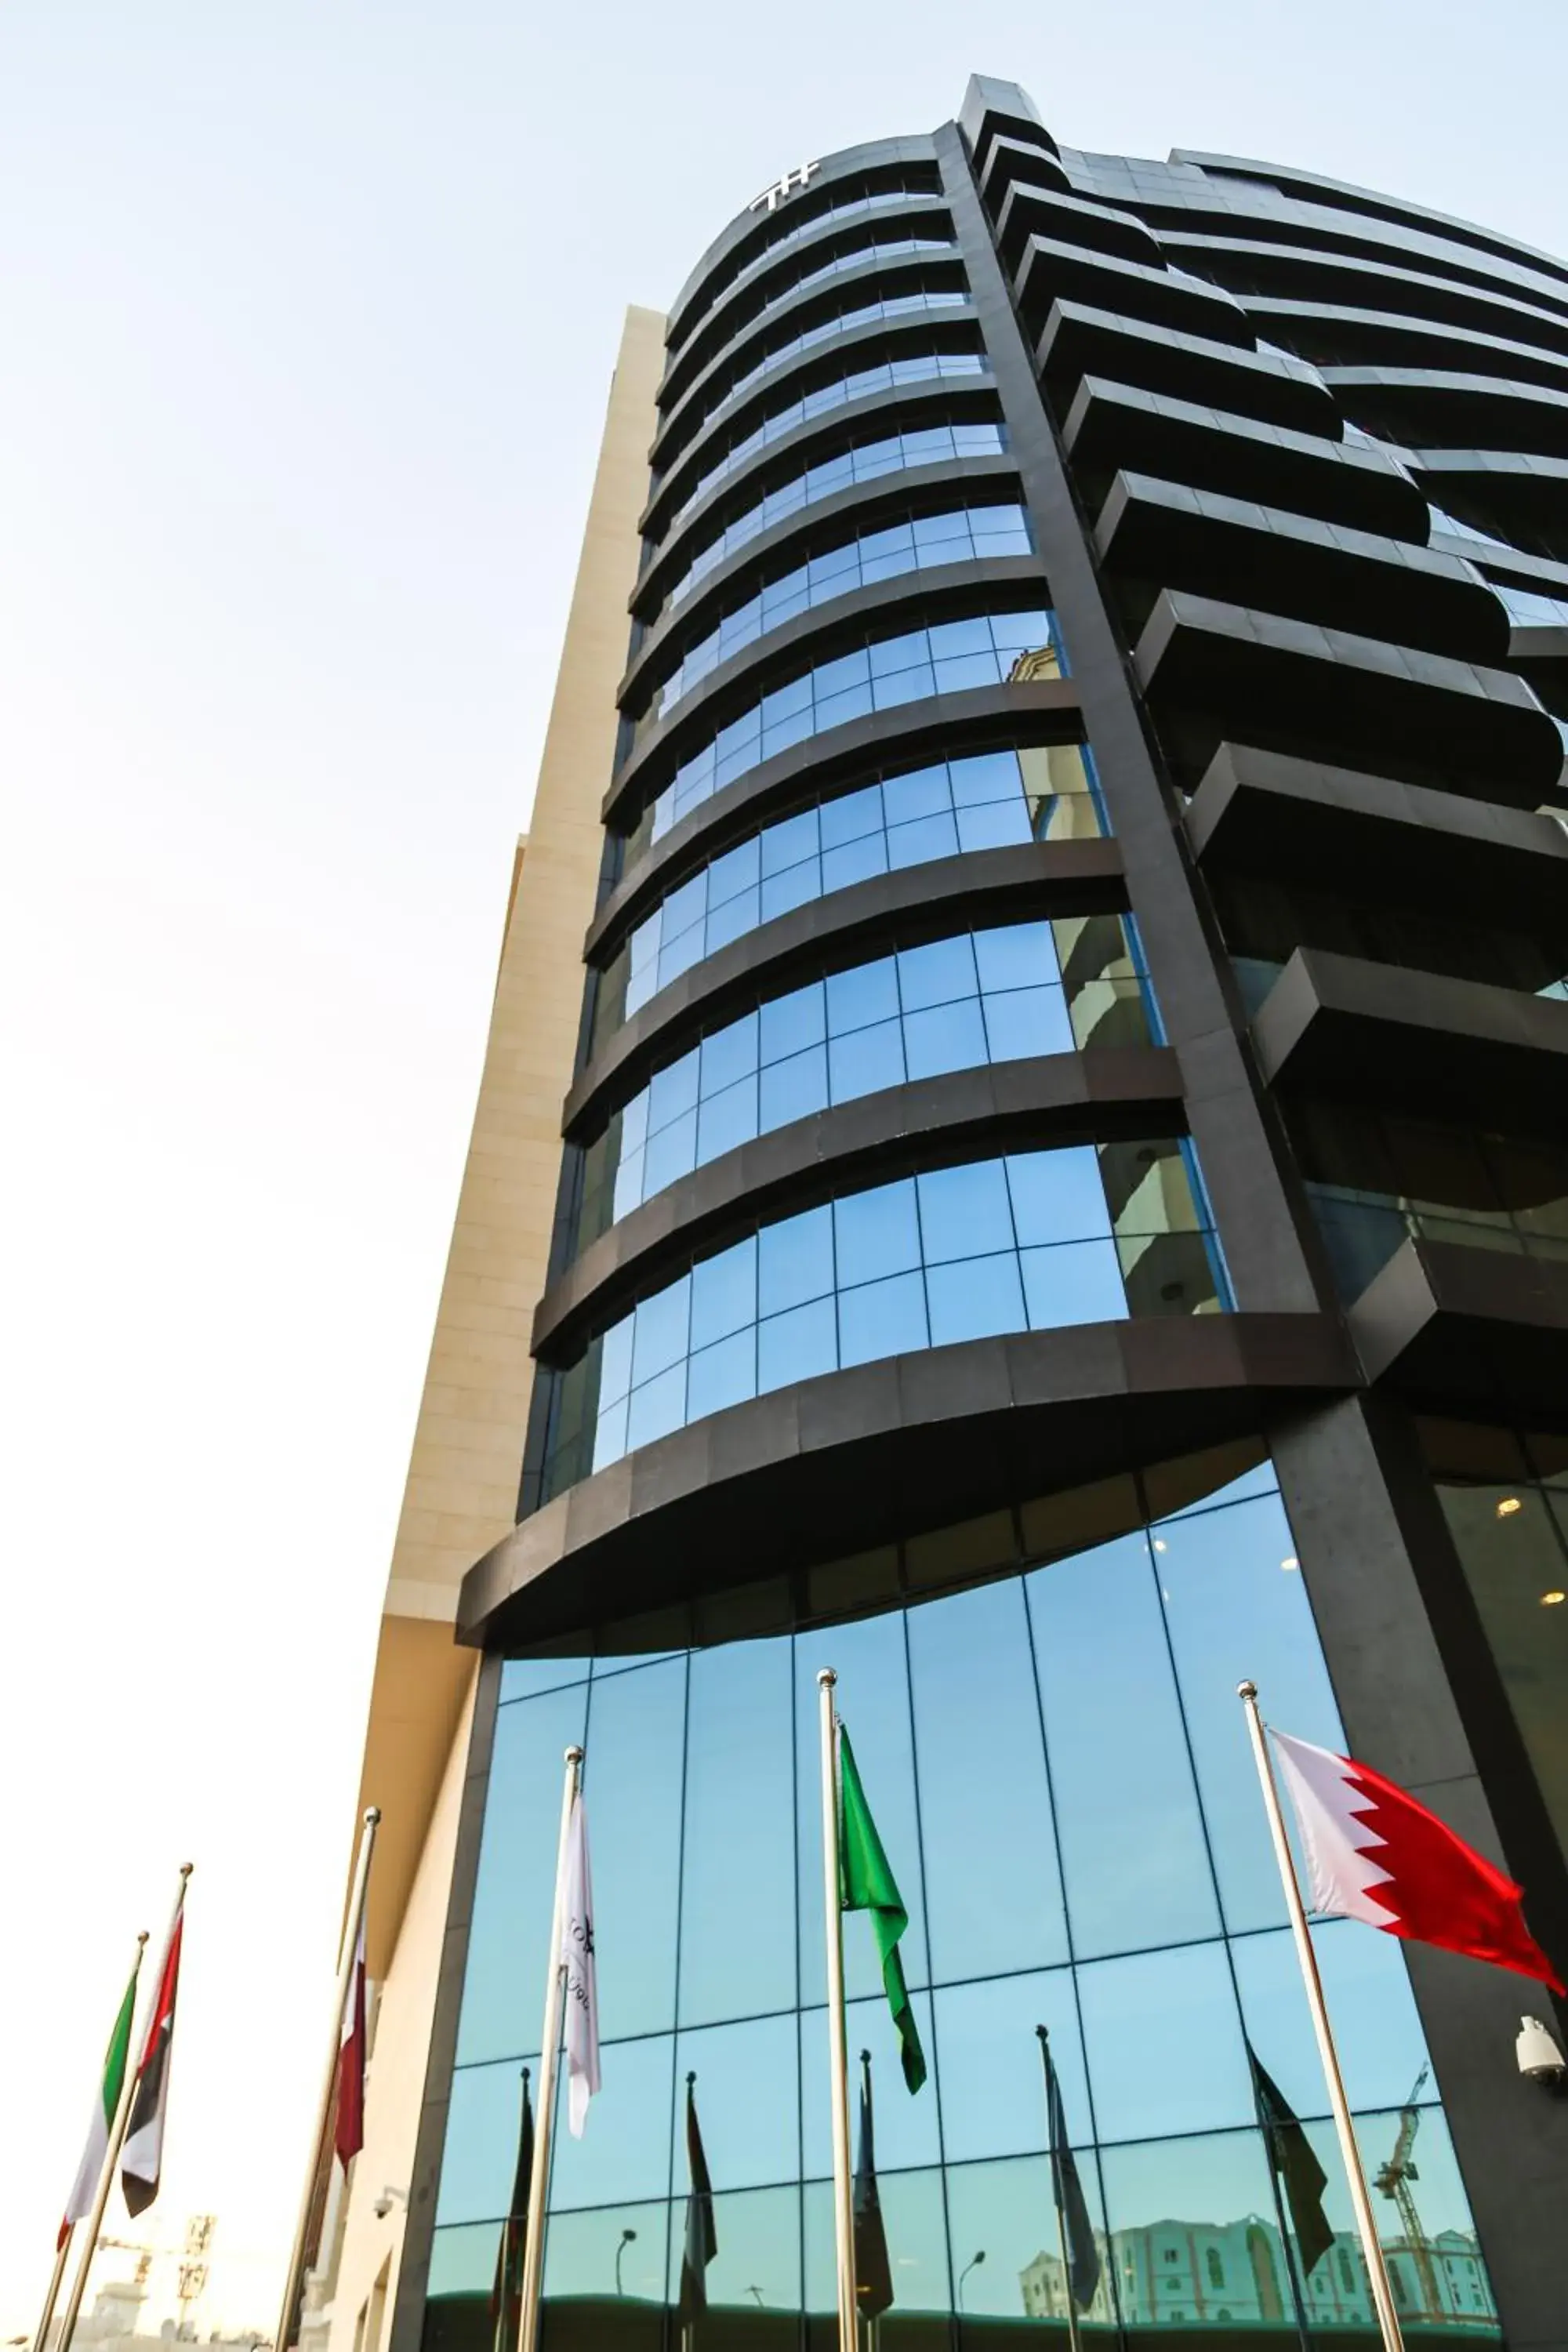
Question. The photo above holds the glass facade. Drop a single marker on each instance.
(918, 542)
(1029, 1242)
(1505, 1496)
(859, 384)
(985, 650)
(841, 469)
(990, 800)
(842, 206)
(1059, 1770)
(1377, 1177)
(854, 314)
(994, 995)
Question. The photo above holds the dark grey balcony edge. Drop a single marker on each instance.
(891, 1448)
(875, 333)
(1040, 710)
(847, 164)
(684, 366)
(918, 901)
(927, 1122)
(915, 488)
(1481, 1326)
(945, 594)
(965, 396)
(935, 272)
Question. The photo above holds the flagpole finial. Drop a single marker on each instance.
(691, 2078)
(1044, 2032)
(865, 2057)
(187, 1868)
(825, 1678)
(573, 1756)
(143, 1937)
(1246, 1690)
(371, 1815)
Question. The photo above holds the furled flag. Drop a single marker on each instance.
(873, 2271)
(866, 1882)
(581, 1973)
(1375, 1853)
(506, 2294)
(701, 2229)
(1295, 2163)
(1067, 2189)
(348, 2133)
(142, 2159)
(84, 2188)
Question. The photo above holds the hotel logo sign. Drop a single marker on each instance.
(791, 184)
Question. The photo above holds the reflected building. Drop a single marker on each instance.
(1021, 1155)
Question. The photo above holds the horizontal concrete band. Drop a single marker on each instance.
(828, 1466)
(910, 904)
(926, 1123)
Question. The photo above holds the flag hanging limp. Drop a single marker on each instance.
(873, 2271)
(1066, 2190)
(142, 2159)
(1373, 1852)
(866, 1882)
(701, 2229)
(348, 2131)
(581, 1987)
(116, 2058)
(1295, 2163)
(506, 2293)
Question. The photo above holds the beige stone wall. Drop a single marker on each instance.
(463, 1474)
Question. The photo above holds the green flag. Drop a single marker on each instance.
(866, 1882)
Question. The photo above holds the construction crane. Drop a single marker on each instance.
(142, 2252)
(1394, 2180)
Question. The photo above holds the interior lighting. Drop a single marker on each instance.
(1509, 1505)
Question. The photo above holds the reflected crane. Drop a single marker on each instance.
(1393, 2179)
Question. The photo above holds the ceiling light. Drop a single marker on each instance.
(1550, 1599)
(1509, 1505)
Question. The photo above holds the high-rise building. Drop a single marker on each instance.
(1024, 1155)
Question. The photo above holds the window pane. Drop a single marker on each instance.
(877, 1233)
(969, 1660)
(632, 1778)
(991, 2077)
(1136, 1865)
(975, 1300)
(1164, 2044)
(509, 1943)
(964, 1212)
(737, 1946)
(624, 2156)
(748, 2097)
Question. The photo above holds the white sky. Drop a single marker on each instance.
(306, 320)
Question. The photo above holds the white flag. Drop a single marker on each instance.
(582, 1979)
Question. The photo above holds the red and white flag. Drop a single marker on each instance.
(1375, 1853)
(348, 2135)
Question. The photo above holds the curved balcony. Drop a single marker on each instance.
(1255, 272)
(1435, 408)
(877, 288)
(969, 624)
(790, 210)
(1332, 336)
(1270, 386)
(1050, 271)
(839, 244)
(931, 426)
(833, 1464)
(867, 536)
(871, 364)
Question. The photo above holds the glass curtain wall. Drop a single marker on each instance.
(1059, 1769)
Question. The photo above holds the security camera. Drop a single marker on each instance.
(389, 2198)
(1540, 2059)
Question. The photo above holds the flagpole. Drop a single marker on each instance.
(62, 2252)
(294, 2276)
(544, 2114)
(838, 2067)
(111, 2153)
(1366, 2220)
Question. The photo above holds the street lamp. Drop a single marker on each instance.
(629, 2237)
(973, 2264)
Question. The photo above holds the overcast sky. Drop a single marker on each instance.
(307, 314)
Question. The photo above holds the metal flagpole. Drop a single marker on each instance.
(294, 2278)
(116, 2141)
(1366, 2220)
(544, 2114)
(843, 2191)
(62, 2252)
